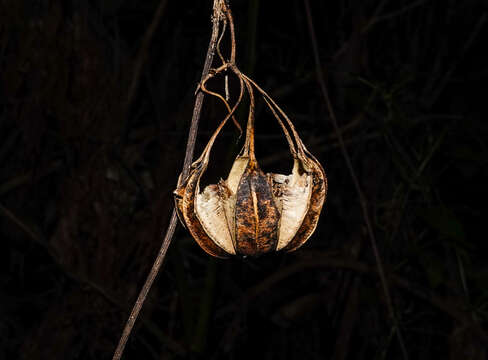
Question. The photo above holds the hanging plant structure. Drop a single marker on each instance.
(251, 213)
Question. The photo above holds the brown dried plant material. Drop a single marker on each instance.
(251, 213)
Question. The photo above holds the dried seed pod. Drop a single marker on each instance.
(251, 213)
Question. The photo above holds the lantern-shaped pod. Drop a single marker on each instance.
(252, 213)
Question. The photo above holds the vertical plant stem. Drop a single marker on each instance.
(362, 198)
(190, 146)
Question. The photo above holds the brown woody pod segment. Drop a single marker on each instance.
(257, 216)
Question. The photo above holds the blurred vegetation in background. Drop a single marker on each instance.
(95, 104)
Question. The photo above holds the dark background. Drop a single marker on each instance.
(91, 147)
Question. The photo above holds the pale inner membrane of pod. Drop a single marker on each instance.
(210, 210)
(236, 172)
(293, 202)
(229, 204)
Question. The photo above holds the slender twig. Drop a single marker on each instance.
(35, 235)
(467, 45)
(313, 260)
(26, 229)
(143, 51)
(377, 18)
(362, 198)
(216, 18)
(139, 63)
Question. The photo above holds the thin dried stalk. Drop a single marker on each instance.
(216, 20)
(362, 197)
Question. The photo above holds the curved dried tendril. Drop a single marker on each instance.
(283, 127)
(205, 90)
(300, 146)
(206, 151)
(219, 53)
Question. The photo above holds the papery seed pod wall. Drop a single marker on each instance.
(251, 213)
